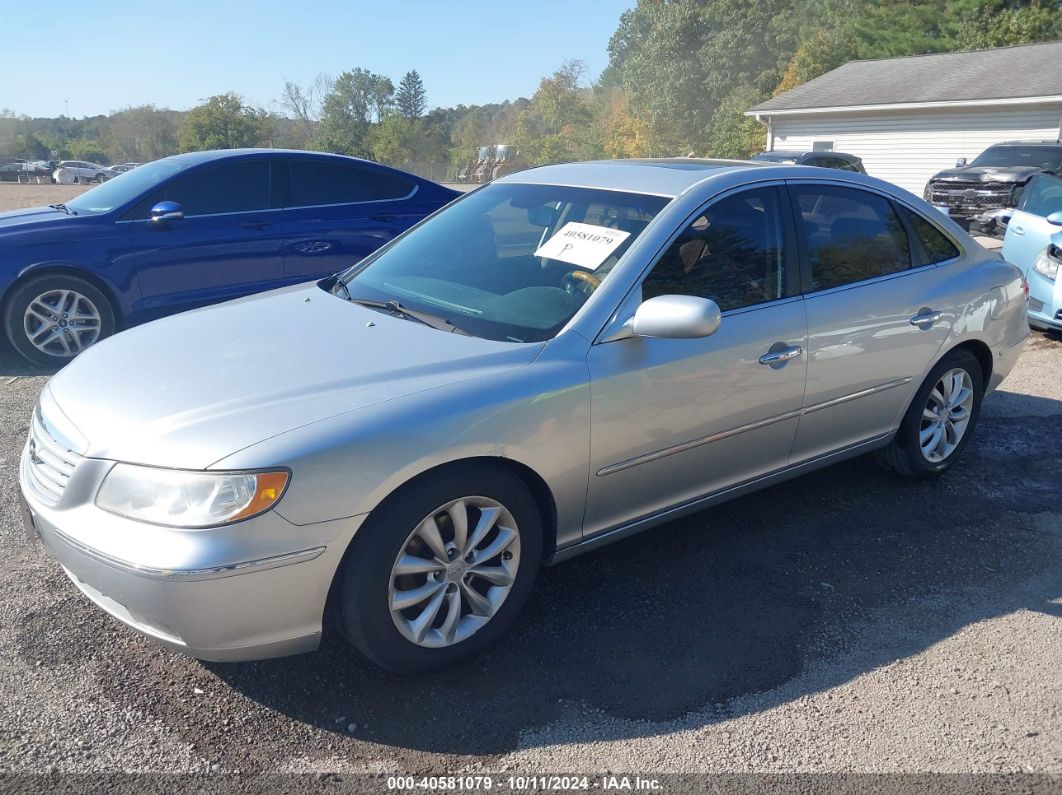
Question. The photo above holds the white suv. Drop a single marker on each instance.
(70, 171)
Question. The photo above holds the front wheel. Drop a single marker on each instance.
(940, 420)
(441, 570)
(50, 319)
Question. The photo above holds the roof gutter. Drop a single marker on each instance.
(961, 103)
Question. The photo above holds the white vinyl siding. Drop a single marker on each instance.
(908, 147)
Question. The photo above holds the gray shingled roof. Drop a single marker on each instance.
(1031, 70)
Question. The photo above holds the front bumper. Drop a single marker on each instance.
(247, 591)
(1045, 301)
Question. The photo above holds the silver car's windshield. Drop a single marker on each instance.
(508, 262)
(125, 187)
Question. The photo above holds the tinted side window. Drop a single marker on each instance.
(852, 235)
(319, 182)
(731, 254)
(232, 188)
(390, 186)
(1042, 196)
(934, 243)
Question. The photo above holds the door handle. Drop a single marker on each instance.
(255, 224)
(782, 356)
(1018, 230)
(926, 318)
(382, 217)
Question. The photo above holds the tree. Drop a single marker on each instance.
(358, 99)
(997, 26)
(557, 126)
(224, 122)
(411, 98)
(140, 134)
(304, 104)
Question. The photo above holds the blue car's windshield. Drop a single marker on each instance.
(125, 187)
(509, 262)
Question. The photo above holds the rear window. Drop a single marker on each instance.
(320, 182)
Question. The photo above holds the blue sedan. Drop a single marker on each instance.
(191, 230)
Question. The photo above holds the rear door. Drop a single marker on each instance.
(228, 244)
(880, 306)
(335, 214)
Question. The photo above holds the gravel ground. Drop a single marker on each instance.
(846, 621)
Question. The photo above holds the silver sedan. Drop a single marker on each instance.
(560, 359)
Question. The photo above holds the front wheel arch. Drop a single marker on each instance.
(63, 269)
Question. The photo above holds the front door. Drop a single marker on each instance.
(673, 420)
(228, 244)
(880, 305)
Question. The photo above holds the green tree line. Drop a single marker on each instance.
(680, 76)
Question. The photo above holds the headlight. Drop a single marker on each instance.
(927, 194)
(188, 499)
(1047, 263)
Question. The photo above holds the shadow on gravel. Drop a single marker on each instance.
(829, 576)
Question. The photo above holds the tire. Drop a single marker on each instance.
(905, 454)
(369, 583)
(57, 291)
(101, 178)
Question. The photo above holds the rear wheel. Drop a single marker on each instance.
(940, 420)
(50, 319)
(440, 571)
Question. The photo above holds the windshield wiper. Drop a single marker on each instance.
(428, 319)
(64, 208)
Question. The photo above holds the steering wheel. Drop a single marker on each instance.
(581, 280)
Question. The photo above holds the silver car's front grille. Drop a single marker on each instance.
(49, 464)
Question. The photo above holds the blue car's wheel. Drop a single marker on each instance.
(50, 319)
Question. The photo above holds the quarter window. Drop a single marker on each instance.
(935, 244)
(319, 182)
(732, 254)
(851, 235)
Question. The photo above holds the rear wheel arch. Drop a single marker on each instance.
(981, 352)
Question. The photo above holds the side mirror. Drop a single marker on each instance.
(1055, 218)
(166, 211)
(679, 317)
(960, 162)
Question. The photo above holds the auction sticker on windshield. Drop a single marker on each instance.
(585, 245)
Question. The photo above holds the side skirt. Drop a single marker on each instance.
(700, 503)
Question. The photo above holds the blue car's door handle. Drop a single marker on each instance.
(255, 224)
(382, 217)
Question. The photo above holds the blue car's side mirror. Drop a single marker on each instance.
(1055, 218)
(166, 211)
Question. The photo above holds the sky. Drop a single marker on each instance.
(103, 56)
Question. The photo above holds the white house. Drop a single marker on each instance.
(908, 118)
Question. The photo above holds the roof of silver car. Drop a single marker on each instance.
(658, 176)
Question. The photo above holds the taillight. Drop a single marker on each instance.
(1025, 287)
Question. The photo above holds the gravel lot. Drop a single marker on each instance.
(846, 621)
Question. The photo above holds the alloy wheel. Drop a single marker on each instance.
(62, 323)
(946, 415)
(454, 571)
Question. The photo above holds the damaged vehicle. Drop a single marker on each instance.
(972, 194)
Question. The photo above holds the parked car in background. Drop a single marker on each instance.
(79, 171)
(121, 168)
(994, 180)
(11, 168)
(840, 160)
(1033, 242)
(191, 230)
(560, 359)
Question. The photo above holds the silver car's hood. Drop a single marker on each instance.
(191, 389)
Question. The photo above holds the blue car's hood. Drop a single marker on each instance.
(35, 216)
(191, 389)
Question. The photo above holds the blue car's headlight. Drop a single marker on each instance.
(190, 500)
(1047, 263)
